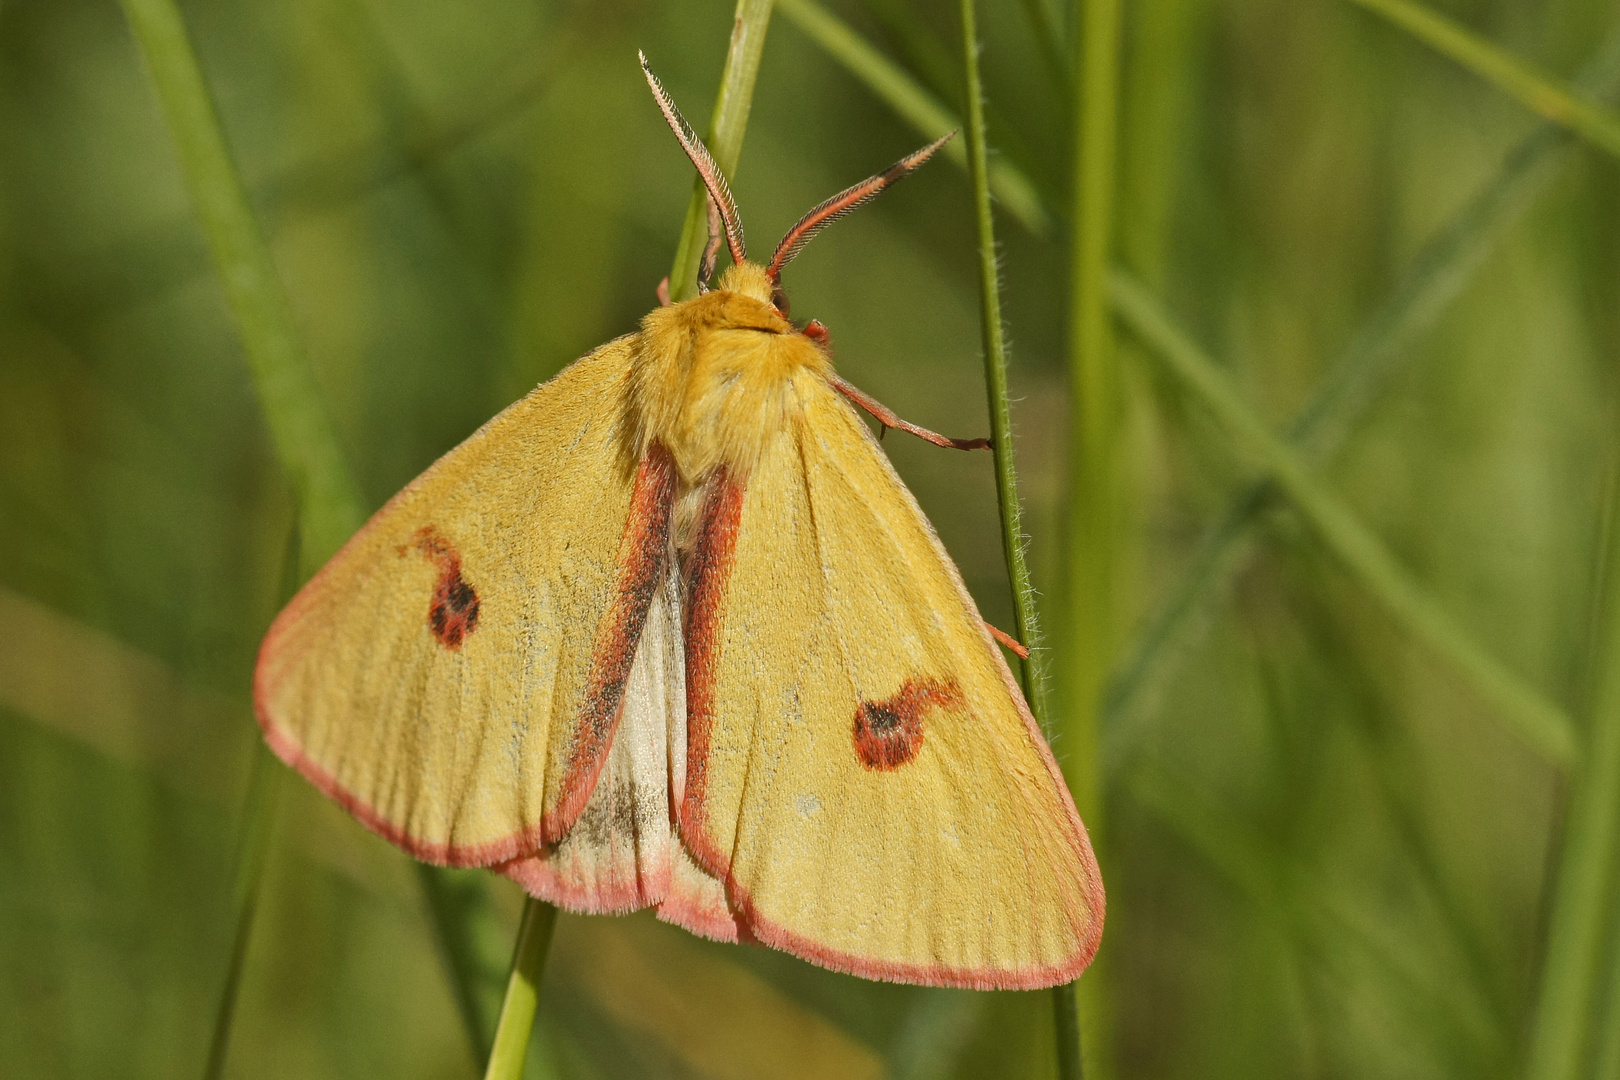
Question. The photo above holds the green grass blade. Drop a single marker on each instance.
(329, 501)
(1067, 1026)
(727, 125)
(914, 104)
(1539, 722)
(1536, 90)
(1094, 409)
(1570, 988)
(1092, 503)
(1378, 353)
(511, 1050)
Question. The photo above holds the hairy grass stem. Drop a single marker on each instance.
(1066, 1016)
(1533, 88)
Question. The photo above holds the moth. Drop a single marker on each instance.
(670, 632)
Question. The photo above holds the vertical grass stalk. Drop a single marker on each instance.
(1012, 534)
(1570, 973)
(330, 507)
(1094, 422)
(1094, 403)
(727, 124)
(511, 1049)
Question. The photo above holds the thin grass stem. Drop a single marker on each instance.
(511, 1048)
(253, 849)
(995, 381)
(1540, 723)
(1533, 88)
(727, 125)
(1377, 354)
(914, 104)
(252, 853)
(1571, 990)
(329, 503)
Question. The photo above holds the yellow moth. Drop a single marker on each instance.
(670, 632)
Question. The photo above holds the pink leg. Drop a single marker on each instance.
(886, 416)
(1009, 641)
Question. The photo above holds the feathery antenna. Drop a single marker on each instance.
(713, 179)
(842, 203)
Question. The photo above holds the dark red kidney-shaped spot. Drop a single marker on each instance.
(889, 733)
(453, 609)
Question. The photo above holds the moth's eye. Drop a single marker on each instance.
(780, 301)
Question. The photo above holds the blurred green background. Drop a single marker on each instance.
(1325, 853)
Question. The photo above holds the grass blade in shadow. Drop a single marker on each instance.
(329, 502)
(1570, 987)
(1377, 354)
(1533, 88)
(1539, 722)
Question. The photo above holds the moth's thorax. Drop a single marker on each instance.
(714, 378)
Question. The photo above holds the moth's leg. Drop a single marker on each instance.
(663, 292)
(1008, 640)
(886, 416)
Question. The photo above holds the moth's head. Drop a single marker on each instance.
(764, 283)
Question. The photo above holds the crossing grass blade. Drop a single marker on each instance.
(1379, 352)
(1540, 723)
(1536, 90)
(907, 97)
